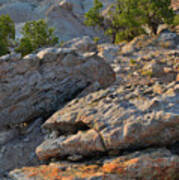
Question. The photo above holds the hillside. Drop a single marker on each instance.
(64, 15)
(86, 110)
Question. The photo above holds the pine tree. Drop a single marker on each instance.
(127, 18)
(7, 33)
(36, 34)
(155, 13)
(93, 16)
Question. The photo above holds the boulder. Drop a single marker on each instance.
(38, 84)
(17, 146)
(66, 23)
(84, 44)
(168, 40)
(109, 52)
(82, 143)
(123, 118)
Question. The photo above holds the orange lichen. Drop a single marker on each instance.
(47, 172)
(156, 168)
(119, 167)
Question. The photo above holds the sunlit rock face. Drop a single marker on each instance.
(87, 111)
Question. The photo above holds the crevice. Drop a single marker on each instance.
(101, 156)
(44, 114)
(174, 148)
(102, 140)
(66, 129)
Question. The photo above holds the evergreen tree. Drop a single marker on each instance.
(36, 34)
(93, 16)
(155, 13)
(125, 22)
(127, 18)
(7, 33)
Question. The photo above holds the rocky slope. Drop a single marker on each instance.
(88, 111)
(127, 130)
(34, 87)
(64, 15)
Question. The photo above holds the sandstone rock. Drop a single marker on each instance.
(134, 114)
(150, 164)
(134, 45)
(84, 44)
(83, 143)
(123, 120)
(38, 84)
(108, 51)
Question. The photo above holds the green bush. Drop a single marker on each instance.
(7, 33)
(36, 34)
(125, 23)
(154, 13)
(127, 18)
(93, 16)
(96, 39)
(176, 20)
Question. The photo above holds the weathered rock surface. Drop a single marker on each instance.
(38, 84)
(149, 164)
(140, 111)
(126, 131)
(34, 87)
(83, 143)
(122, 118)
(18, 148)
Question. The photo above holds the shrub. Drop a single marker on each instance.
(96, 39)
(133, 61)
(7, 33)
(125, 23)
(176, 20)
(93, 17)
(36, 34)
(155, 13)
(61, 44)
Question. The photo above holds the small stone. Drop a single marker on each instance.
(75, 157)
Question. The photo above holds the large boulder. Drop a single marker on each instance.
(84, 44)
(39, 83)
(33, 87)
(122, 118)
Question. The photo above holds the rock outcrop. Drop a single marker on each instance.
(123, 119)
(39, 83)
(34, 87)
(126, 131)
(148, 164)
(63, 106)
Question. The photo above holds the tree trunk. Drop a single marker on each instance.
(113, 38)
(154, 28)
